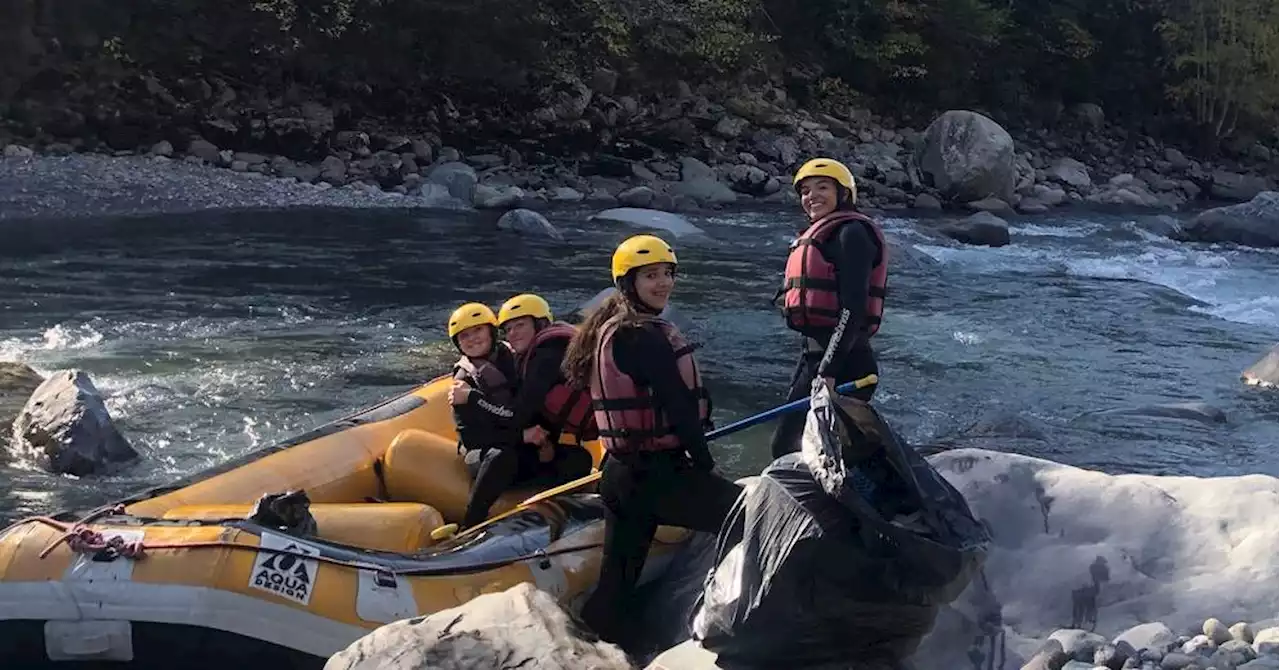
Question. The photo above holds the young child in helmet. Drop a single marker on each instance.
(483, 388)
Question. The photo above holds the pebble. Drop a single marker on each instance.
(94, 185)
(1242, 631)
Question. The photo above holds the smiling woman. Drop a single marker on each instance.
(833, 290)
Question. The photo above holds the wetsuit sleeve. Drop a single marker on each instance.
(542, 373)
(646, 355)
(854, 253)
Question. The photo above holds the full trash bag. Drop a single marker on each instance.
(840, 553)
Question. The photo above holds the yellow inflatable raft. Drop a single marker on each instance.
(178, 576)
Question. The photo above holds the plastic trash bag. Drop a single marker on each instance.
(841, 553)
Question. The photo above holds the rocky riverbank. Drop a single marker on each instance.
(589, 141)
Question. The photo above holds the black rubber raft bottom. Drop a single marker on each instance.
(157, 646)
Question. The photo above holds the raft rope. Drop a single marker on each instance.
(82, 539)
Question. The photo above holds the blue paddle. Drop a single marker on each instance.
(802, 403)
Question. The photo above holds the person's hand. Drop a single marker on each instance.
(459, 393)
(546, 452)
(535, 435)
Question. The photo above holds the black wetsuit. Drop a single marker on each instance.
(843, 352)
(643, 490)
(505, 460)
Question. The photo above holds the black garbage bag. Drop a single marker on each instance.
(841, 553)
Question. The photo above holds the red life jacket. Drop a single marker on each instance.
(565, 407)
(811, 300)
(627, 413)
(491, 375)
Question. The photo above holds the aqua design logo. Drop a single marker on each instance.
(286, 571)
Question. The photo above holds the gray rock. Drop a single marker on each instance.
(966, 156)
(1031, 205)
(1241, 630)
(1049, 195)
(1255, 223)
(1069, 171)
(529, 222)
(521, 627)
(162, 148)
(639, 196)
(1078, 644)
(1050, 656)
(1216, 630)
(565, 194)
(1232, 653)
(497, 197)
(648, 218)
(983, 228)
(750, 179)
(18, 151)
(437, 196)
(1088, 113)
(333, 170)
(204, 150)
(730, 127)
(1077, 665)
(1176, 159)
(1177, 661)
(1266, 373)
(1266, 663)
(1239, 187)
(993, 205)
(66, 426)
(926, 201)
(485, 161)
(1154, 636)
(601, 197)
(458, 178)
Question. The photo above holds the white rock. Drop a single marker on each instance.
(1199, 645)
(1241, 631)
(1160, 549)
(1267, 641)
(648, 218)
(1266, 371)
(521, 627)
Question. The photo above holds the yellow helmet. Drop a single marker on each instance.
(638, 251)
(468, 315)
(826, 167)
(525, 304)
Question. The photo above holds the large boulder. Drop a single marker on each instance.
(66, 427)
(521, 627)
(459, 178)
(648, 218)
(1255, 223)
(967, 156)
(17, 382)
(1103, 553)
(1263, 373)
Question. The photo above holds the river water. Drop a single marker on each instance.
(216, 333)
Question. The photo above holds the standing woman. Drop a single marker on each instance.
(833, 292)
(651, 410)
